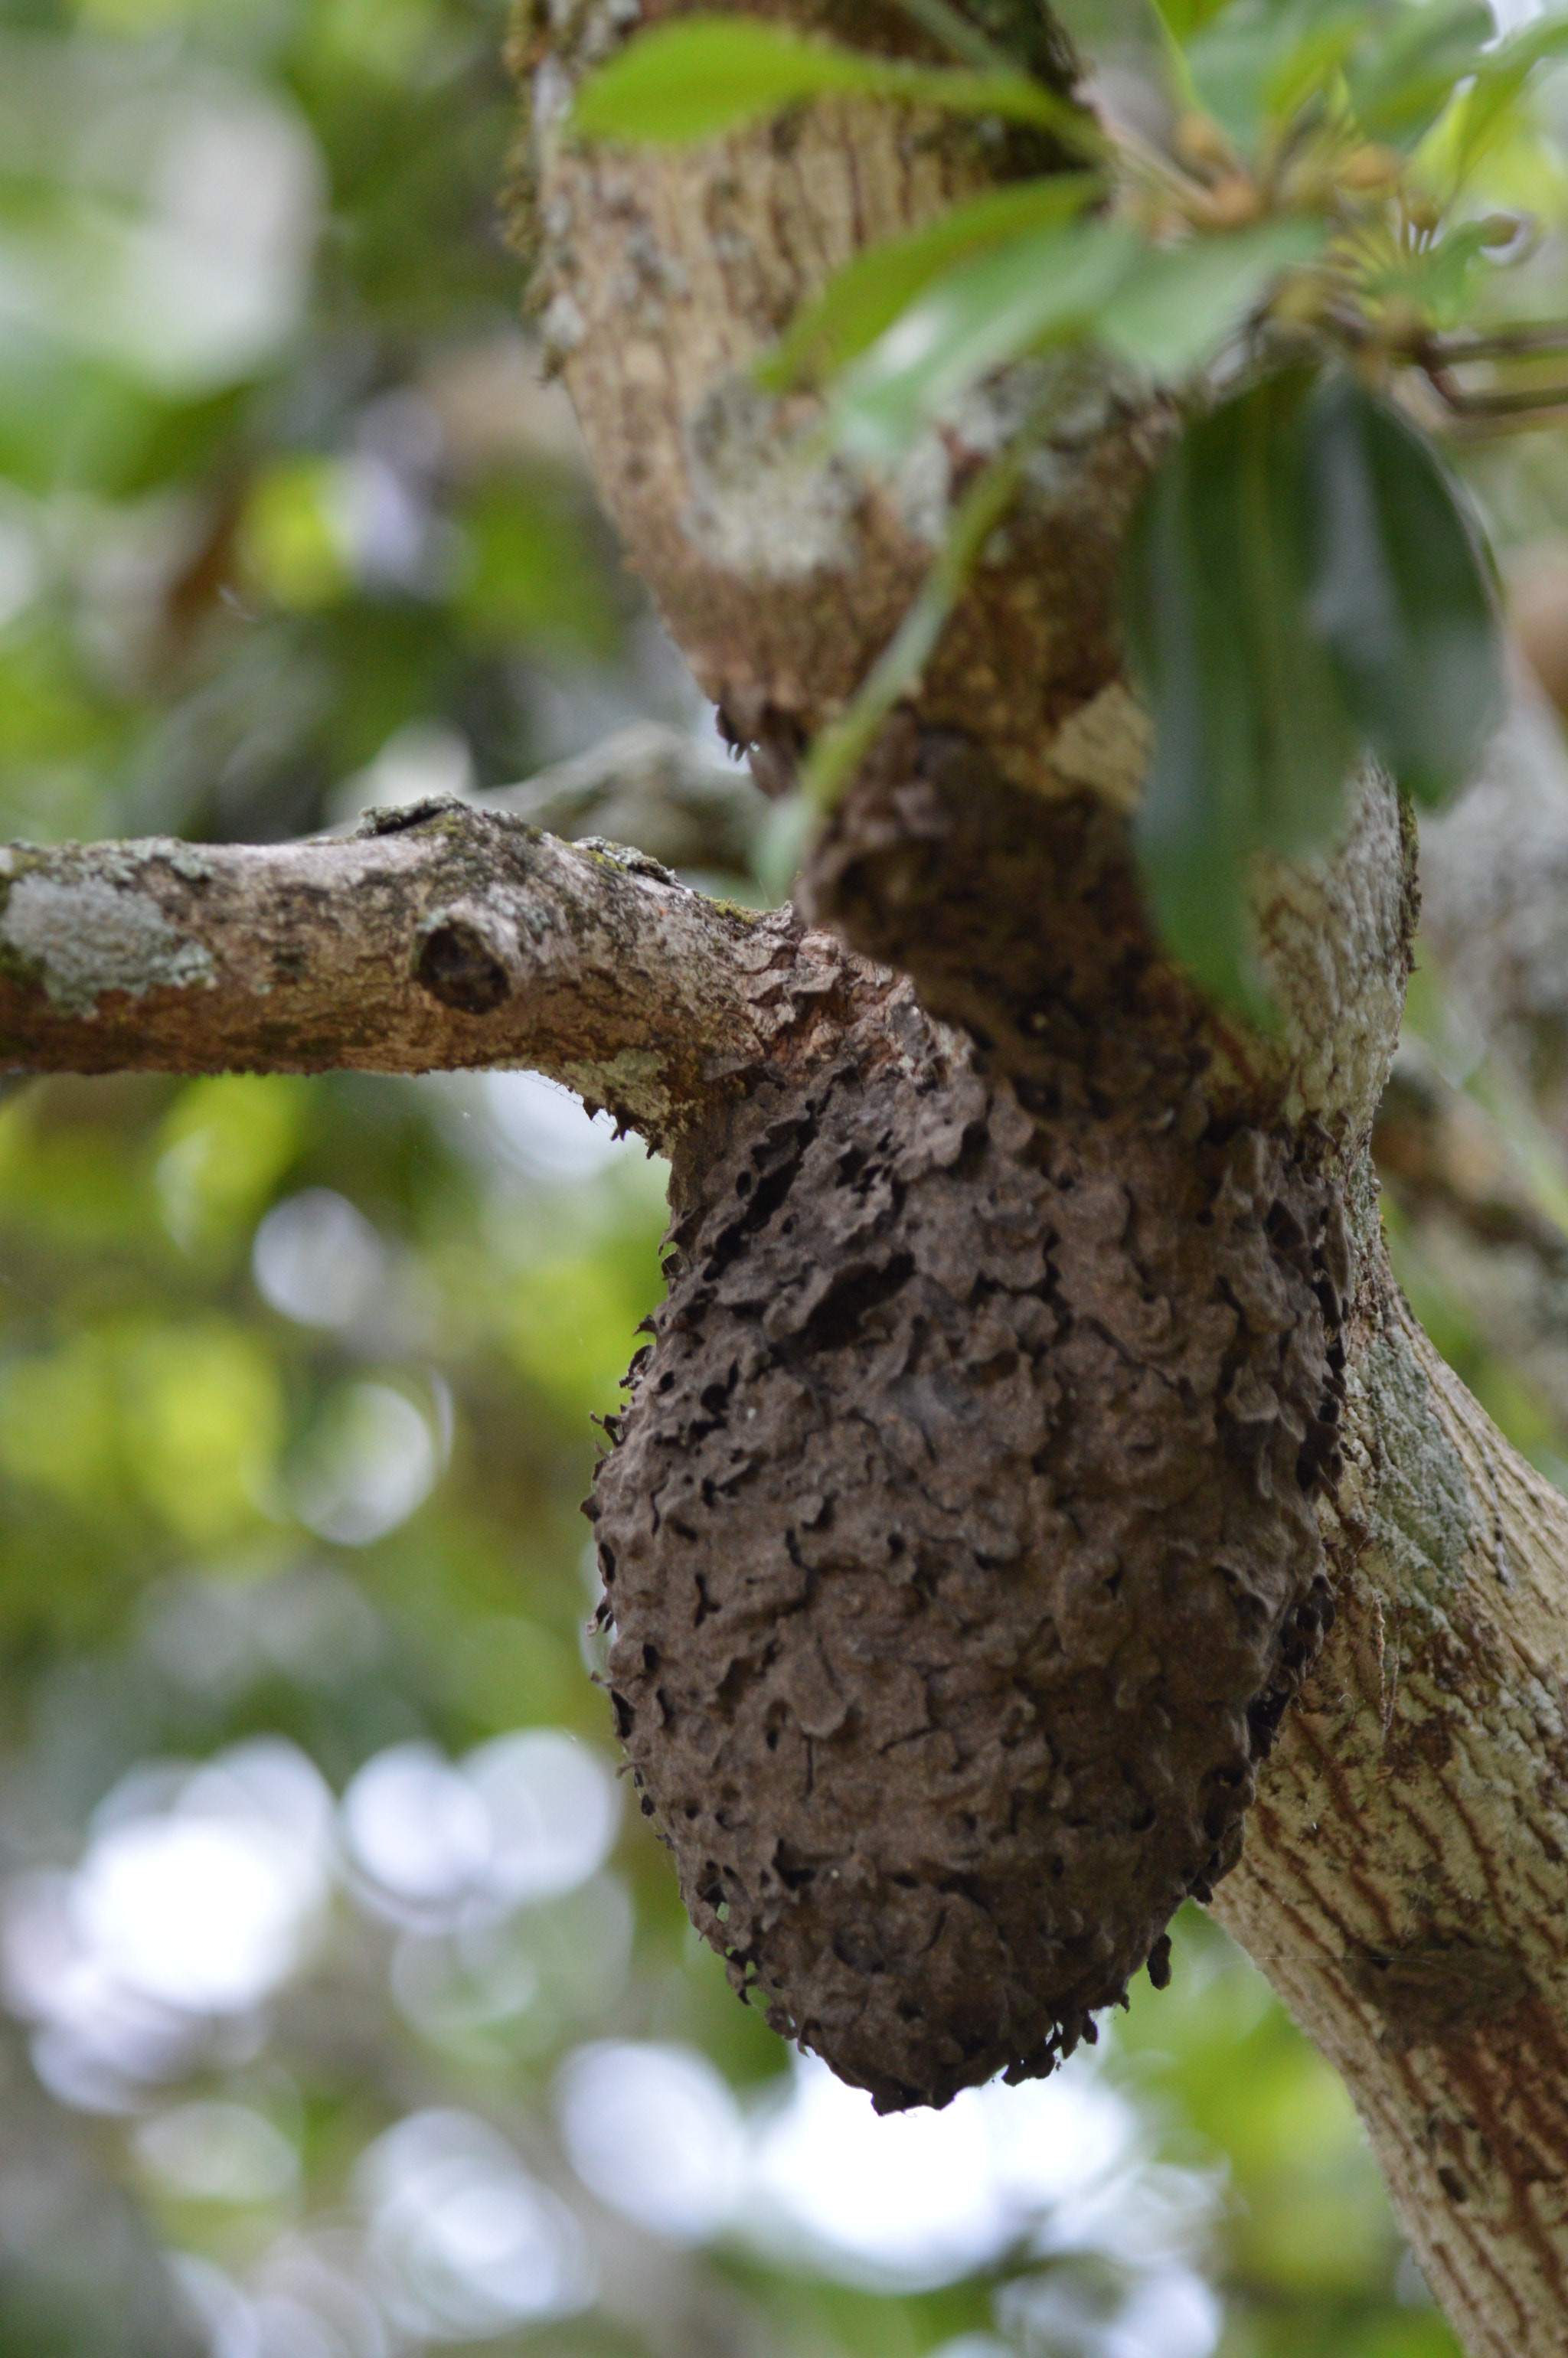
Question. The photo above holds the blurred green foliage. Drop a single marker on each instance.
(294, 1376)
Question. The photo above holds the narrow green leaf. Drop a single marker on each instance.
(1192, 822)
(1047, 288)
(1176, 309)
(1253, 742)
(866, 297)
(1181, 19)
(1401, 594)
(840, 749)
(703, 75)
(1500, 77)
(1259, 63)
(1408, 70)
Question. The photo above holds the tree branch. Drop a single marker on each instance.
(653, 786)
(1404, 1883)
(438, 937)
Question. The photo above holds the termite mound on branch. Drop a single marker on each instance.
(958, 1538)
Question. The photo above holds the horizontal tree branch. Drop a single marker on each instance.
(438, 937)
(657, 787)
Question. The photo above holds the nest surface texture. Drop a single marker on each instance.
(959, 1545)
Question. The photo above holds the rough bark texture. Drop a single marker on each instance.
(439, 936)
(1399, 1826)
(1405, 1879)
(781, 570)
(1404, 1883)
(1094, 1414)
(960, 1552)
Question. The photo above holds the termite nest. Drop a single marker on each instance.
(959, 1545)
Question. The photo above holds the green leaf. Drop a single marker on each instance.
(1500, 77)
(1047, 288)
(1301, 579)
(865, 299)
(1401, 594)
(1259, 63)
(1437, 281)
(1182, 19)
(1408, 72)
(703, 75)
(1176, 309)
(1253, 743)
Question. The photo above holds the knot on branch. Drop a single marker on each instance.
(462, 958)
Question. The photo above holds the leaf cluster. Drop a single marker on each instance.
(1305, 586)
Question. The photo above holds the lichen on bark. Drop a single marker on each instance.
(83, 935)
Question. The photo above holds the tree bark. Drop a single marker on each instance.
(1403, 1884)
(1424, 1950)
(438, 937)
(1403, 1878)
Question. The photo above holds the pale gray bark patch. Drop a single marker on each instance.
(93, 935)
(761, 504)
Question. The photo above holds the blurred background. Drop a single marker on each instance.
(347, 2010)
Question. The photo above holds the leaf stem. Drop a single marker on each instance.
(954, 31)
(842, 746)
(1451, 352)
(1527, 402)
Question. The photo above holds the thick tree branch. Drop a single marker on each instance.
(1404, 1875)
(434, 938)
(1404, 1883)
